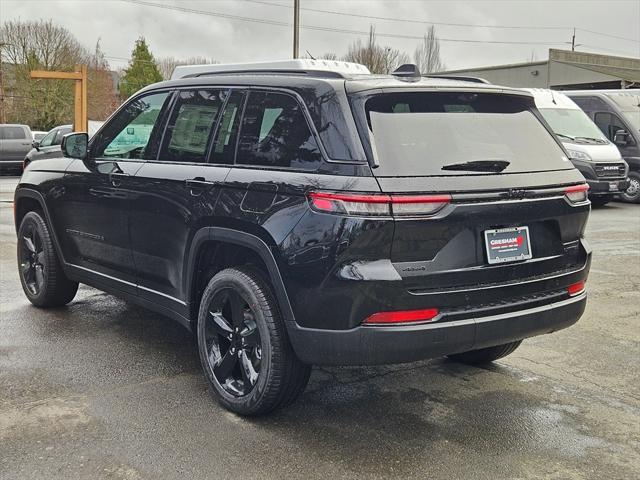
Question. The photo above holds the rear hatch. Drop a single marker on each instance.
(493, 181)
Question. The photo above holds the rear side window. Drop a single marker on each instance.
(191, 125)
(224, 147)
(275, 133)
(459, 133)
(12, 133)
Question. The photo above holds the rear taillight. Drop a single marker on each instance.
(576, 193)
(403, 316)
(575, 288)
(377, 204)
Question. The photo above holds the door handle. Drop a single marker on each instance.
(116, 178)
(197, 185)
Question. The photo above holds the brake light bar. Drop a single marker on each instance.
(577, 193)
(575, 288)
(377, 204)
(403, 316)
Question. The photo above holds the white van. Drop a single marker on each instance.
(589, 149)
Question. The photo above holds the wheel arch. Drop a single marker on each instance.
(210, 237)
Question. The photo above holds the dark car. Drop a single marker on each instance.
(49, 145)
(296, 215)
(617, 114)
(15, 142)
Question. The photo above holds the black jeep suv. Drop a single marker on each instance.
(301, 217)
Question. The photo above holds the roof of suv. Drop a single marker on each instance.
(353, 83)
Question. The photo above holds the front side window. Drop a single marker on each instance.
(275, 133)
(608, 123)
(191, 125)
(48, 139)
(133, 132)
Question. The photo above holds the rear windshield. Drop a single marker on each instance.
(455, 133)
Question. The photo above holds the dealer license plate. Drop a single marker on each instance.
(507, 244)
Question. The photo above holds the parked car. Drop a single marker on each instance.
(49, 146)
(15, 142)
(306, 213)
(38, 134)
(589, 150)
(617, 114)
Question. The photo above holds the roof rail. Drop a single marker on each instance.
(327, 68)
(462, 78)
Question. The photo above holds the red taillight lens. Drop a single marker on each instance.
(575, 288)
(577, 193)
(404, 316)
(377, 204)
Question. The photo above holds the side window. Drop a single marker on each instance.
(275, 133)
(608, 123)
(48, 139)
(59, 134)
(133, 132)
(12, 133)
(191, 125)
(225, 144)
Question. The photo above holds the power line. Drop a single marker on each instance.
(425, 22)
(331, 29)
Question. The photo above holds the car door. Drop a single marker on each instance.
(96, 196)
(174, 194)
(610, 123)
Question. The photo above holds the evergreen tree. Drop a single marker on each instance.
(142, 70)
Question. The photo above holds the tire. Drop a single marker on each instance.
(246, 357)
(485, 355)
(632, 194)
(41, 275)
(600, 201)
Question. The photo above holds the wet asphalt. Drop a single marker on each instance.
(105, 389)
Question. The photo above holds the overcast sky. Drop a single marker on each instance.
(170, 32)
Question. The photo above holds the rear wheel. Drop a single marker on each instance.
(485, 355)
(43, 281)
(243, 345)
(632, 193)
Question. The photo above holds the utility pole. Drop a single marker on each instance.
(296, 28)
(573, 41)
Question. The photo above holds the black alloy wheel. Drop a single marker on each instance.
(234, 347)
(32, 259)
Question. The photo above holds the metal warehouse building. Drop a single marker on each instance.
(565, 70)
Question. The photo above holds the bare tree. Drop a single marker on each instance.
(377, 58)
(167, 64)
(427, 54)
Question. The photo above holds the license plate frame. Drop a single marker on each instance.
(614, 187)
(510, 244)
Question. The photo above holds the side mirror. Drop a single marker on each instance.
(621, 138)
(35, 144)
(74, 145)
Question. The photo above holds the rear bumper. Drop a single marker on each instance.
(603, 187)
(385, 345)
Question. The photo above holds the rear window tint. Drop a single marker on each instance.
(437, 134)
(12, 133)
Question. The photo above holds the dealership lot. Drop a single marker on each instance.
(105, 389)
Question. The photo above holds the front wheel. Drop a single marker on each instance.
(41, 275)
(243, 345)
(632, 193)
(485, 355)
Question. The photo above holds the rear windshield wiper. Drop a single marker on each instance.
(479, 166)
